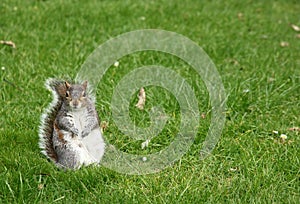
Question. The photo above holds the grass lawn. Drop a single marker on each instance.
(255, 50)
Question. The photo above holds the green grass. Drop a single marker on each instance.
(249, 164)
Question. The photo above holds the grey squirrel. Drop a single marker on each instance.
(69, 133)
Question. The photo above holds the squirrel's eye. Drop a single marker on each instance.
(67, 94)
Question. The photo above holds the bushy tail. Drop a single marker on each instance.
(57, 88)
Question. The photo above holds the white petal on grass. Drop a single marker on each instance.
(142, 99)
(145, 144)
(233, 169)
(284, 44)
(271, 79)
(295, 27)
(240, 15)
(275, 132)
(117, 63)
(246, 90)
(283, 137)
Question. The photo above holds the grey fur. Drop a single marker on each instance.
(60, 137)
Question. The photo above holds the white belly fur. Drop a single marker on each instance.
(80, 121)
(93, 143)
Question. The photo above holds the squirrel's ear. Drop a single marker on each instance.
(61, 89)
(85, 83)
(67, 85)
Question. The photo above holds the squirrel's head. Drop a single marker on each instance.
(75, 96)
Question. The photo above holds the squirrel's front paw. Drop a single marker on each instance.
(85, 132)
(75, 132)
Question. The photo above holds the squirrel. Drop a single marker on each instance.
(70, 134)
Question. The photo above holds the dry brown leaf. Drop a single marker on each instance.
(103, 126)
(294, 129)
(142, 99)
(40, 186)
(203, 115)
(295, 27)
(9, 43)
(284, 44)
(235, 62)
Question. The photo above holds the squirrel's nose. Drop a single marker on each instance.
(75, 103)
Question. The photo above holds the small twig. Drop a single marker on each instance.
(42, 174)
(12, 84)
(294, 129)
